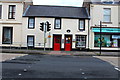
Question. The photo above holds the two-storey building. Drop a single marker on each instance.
(106, 11)
(69, 27)
(11, 12)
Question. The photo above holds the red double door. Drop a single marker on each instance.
(67, 43)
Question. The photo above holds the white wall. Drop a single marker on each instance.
(71, 24)
(97, 14)
(15, 23)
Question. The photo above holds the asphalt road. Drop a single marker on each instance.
(48, 66)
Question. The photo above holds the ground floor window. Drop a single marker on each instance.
(108, 40)
(80, 41)
(7, 35)
(30, 41)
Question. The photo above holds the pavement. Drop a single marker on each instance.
(6, 56)
(74, 53)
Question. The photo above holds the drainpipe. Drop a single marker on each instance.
(88, 34)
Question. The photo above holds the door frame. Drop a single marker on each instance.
(60, 41)
(65, 40)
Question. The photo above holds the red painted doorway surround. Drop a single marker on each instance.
(57, 42)
(68, 42)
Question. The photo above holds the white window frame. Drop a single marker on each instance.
(81, 24)
(80, 43)
(31, 24)
(57, 23)
(12, 10)
(107, 15)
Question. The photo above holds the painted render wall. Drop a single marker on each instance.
(71, 24)
(98, 16)
(15, 23)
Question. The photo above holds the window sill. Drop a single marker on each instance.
(10, 20)
(57, 28)
(7, 43)
(82, 30)
(107, 22)
(31, 28)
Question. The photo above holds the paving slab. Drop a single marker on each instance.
(6, 56)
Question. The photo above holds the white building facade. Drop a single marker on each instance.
(69, 27)
(20, 26)
(108, 13)
(11, 12)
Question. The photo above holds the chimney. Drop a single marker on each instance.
(26, 4)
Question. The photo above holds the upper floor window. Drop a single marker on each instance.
(81, 24)
(31, 23)
(107, 15)
(57, 23)
(107, 1)
(0, 11)
(11, 12)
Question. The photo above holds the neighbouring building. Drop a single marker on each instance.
(108, 12)
(11, 12)
(69, 27)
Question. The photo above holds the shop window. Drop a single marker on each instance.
(31, 23)
(7, 35)
(57, 23)
(81, 41)
(107, 40)
(11, 12)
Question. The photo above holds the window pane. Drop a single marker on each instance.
(106, 18)
(7, 35)
(31, 22)
(107, 15)
(10, 15)
(68, 39)
(81, 24)
(57, 23)
(80, 41)
(13, 15)
(107, 11)
(13, 8)
(57, 39)
(31, 41)
(31, 25)
(12, 11)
